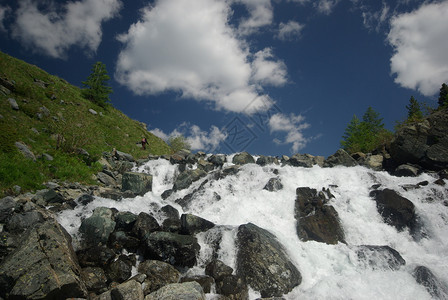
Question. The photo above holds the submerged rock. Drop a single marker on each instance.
(138, 183)
(263, 263)
(273, 185)
(186, 178)
(380, 257)
(316, 220)
(425, 277)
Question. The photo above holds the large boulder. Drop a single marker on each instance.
(305, 160)
(176, 249)
(266, 160)
(191, 224)
(144, 225)
(396, 210)
(43, 267)
(243, 158)
(138, 183)
(25, 151)
(380, 257)
(316, 220)
(263, 263)
(187, 290)
(424, 143)
(158, 274)
(433, 285)
(97, 228)
(186, 178)
(340, 158)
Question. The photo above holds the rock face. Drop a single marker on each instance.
(396, 210)
(316, 220)
(44, 266)
(263, 263)
(138, 183)
(424, 143)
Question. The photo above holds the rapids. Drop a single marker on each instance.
(328, 271)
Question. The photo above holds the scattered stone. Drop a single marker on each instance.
(45, 112)
(35, 130)
(25, 151)
(217, 159)
(138, 183)
(41, 83)
(93, 112)
(47, 157)
(205, 165)
(263, 263)
(305, 160)
(273, 185)
(316, 220)
(18, 223)
(13, 103)
(124, 156)
(7, 207)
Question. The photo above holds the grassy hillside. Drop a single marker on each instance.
(53, 118)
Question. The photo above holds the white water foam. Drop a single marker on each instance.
(328, 271)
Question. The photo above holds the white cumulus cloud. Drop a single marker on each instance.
(197, 138)
(189, 47)
(420, 43)
(289, 31)
(293, 125)
(322, 6)
(260, 14)
(56, 28)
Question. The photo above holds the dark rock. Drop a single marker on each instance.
(205, 281)
(396, 210)
(123, 166)
(47, 197)
(407, 171)
(106, 179)
(119, 240)
(186, 290)
(158, 274)
(7, 207)
(266, 160)
(43, 267)
(205, 165)
(243, 158)
(8, 243)
(232, 287)
(95, 279)
(85, 199)
(218, 270)
(171, 225)
(95, 256)
(317, 220)
(177, 159)
(340, 158)
(111, 193)
(125, 221)
(9, 84)
(425, 277)
(305, 160)
(167, 193)
(175, 249)
(129, 290)
(41, 83)
(138, 183)
(144, 225)
(273, 185)
(13, 103)
(170, 212)
(263, 263)
(380, 257)
(218, 159)
(191, 224)
(18, 223)
(97, 228)
(185, 179)
(25, 151)
(232, 170)
(124, 156)
(119, 270)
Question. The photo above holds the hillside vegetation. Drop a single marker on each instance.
(53, 120)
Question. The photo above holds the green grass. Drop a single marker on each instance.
(67, 127)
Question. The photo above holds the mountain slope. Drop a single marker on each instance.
(53, 120)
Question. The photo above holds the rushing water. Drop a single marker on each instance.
(328, 271)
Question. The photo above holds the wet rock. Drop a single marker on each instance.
(273, 185)
(186, 178)
(43, 267)
(205, 281)
(95, 256)
(175, 249)
(218, 270)
(316, 220)
(232, 170)
(407, 170)
(218, 160)
(144, 225)
(138, 183)
(125, 220)
(129, 290)
(340, 158)
(266, 160)
(97, 228)
(95, 279)
(243, 158)
(262, 262)
(120, 269)
(170, 212)
(191, 224)
(119, 240)
(232, 287)
(433, 285)
(25, 151)
(166, 194)
(305, 160)
(205, 165)
(396, 210)
(187, 290)
(380, 257)
(158, 274)
(85, 199)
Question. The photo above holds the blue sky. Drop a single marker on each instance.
(267, 76)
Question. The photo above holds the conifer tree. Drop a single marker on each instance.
(97, 89)
(443, 96)
(414, 110)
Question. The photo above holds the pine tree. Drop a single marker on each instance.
(443, 96)
(352, 135)
(414, 110)
(97, 90)
(372, 120)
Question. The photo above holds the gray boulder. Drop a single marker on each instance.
(138, 183)
(43, 267)
(263, 263)
(18, 223)
(316, 220)
(7, 207)
(205, 165)
(273, 185)
(95, 279)
(124, 156)
(340, 158)
(218, 270)
(176, 249)
(305, 160)
(266, 160)
(106, 179)
(407, 170)
(217, 159)
(186, 178)
(181, 291)
(129, 290)
(144, 225)
(243, 158)
(191, 224)
(25, 151)
(13, 103)
(205, 281)
(97, 228)
(158, 274)
(92, 111)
